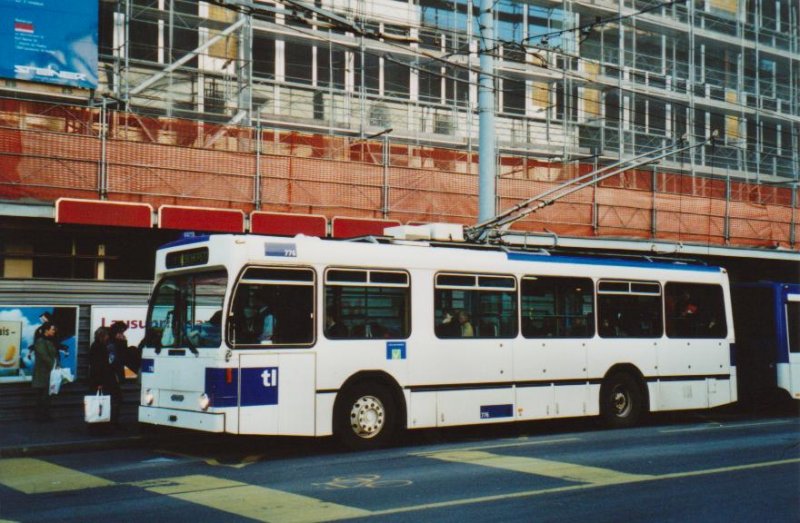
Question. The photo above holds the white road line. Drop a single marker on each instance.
(715, 425)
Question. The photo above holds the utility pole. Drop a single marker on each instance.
(487, 154)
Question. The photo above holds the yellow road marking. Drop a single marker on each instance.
(540, 467)
(572, 488)
(502, 445)
(34, 476)
(250, 501)
(214, 462)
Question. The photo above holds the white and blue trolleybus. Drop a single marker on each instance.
(362, 339)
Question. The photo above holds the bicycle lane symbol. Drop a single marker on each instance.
(362, 481)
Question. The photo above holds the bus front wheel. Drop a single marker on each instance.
(621, 400)
(366, 417)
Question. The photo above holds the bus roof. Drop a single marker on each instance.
(270, 245)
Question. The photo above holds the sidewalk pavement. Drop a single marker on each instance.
(69, 433)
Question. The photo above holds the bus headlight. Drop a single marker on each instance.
(148, 398)
(204, 401)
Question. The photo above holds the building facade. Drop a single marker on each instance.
(368, 109)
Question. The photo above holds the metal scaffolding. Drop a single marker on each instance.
(576, 80)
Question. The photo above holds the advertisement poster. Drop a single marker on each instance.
(50, 41)
(134, 317)
(18, 327)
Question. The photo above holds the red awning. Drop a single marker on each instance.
(355, 227)
(203, 219)
(101, 212)
(286, 224)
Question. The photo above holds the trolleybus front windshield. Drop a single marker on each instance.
(186, 311)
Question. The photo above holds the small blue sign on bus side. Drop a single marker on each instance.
(283, 250)
(497, 411)
(148, 366)
(259, 386)
(395, 350)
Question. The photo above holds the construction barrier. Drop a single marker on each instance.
(51, 151)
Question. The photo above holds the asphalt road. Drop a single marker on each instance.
(698, 468)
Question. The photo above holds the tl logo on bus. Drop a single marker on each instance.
(259, 386)
(270, 377)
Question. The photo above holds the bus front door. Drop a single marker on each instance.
(276, 394)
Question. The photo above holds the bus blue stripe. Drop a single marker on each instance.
(186, 241)
(542, 258)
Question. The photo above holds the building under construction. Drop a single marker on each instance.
(338, 117)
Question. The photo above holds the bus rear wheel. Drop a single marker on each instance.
(366, 417)
(621, 400)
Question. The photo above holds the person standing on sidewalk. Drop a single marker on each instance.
(101, 376)
(46, 351)
(117, 348)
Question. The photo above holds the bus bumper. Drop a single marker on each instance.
(184, 419)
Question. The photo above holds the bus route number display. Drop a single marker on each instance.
(187, 258)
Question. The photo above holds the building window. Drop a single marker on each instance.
(299, 60)
(514, 96)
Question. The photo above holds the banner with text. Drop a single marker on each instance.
(50, 41)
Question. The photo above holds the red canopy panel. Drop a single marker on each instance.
(204, 219)
(355, 227)
(97, 212)
(286, 224)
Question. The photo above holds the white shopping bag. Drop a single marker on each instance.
(55, 380)
(66, 375)
(97, 408)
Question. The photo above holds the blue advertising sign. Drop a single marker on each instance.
(18, 327)
(50, 41)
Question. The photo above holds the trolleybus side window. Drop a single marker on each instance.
(629, 309)
(472, 305)
(187, 310)
(694, 311)
(554, 307)
(273, 306)
(361, 304)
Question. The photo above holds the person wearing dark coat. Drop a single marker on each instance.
(115, 375)
(101, 377)
(46, 352)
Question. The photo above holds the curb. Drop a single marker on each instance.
(64, 447)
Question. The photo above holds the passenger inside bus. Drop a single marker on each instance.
(466, 327)
(208, 333)
(267, 324)
(449, 326)
(333, 328)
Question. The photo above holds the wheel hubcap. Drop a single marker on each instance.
(621, 401)
(367, 417)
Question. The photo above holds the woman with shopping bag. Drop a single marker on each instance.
(46, 352)
(103, 375)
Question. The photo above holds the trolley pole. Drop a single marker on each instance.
(486, 134)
